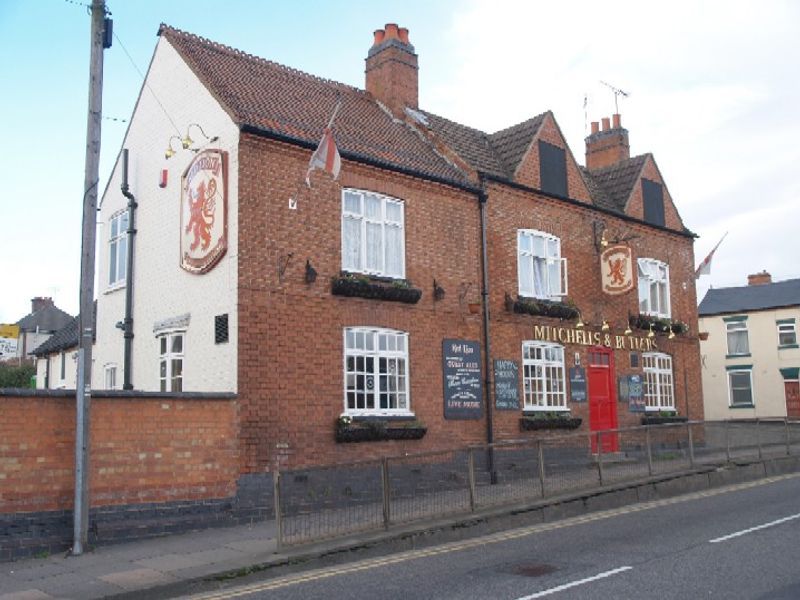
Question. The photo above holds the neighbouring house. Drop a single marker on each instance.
(56, 359)
(464, 285)
(44, 320)
(751, 357)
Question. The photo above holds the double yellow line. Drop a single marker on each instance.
(364, 565)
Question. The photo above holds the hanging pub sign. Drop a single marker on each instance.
(577, 384)
(506, 385)
(636, 401)
(461, 369)
(616, 266)
(204, 211)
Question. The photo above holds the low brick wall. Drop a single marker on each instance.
(158, 463)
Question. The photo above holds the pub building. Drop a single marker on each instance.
(439, 286)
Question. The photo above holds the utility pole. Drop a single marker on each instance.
(83, 397)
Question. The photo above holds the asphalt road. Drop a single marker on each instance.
(740, 543)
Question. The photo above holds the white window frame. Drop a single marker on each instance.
(117, 241)
(645, 268)
(553, 286)
(658, 380)
(376, 344)
(384, 222)
(538, 376)
(749, 372)
(169, 358)
(110, 376)
(787, 328)
(737, 327)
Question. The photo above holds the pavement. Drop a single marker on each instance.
(166, 567)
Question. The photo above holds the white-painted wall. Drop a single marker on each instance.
(765, 357)
(55, 381)
(162, 290)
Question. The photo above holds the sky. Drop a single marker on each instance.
(713, 92)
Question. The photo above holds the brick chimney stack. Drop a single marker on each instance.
(392, 70)
(609, 146)
(40, 302)
(762, 278)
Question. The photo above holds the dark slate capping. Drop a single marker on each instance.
(360, 158)
(735, 319)
(119, 394)
(591, 207)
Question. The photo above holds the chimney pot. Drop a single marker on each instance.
(595, 127)
(617, 120)
(606, 123)
(39, 302)
(762, 278)
(403, 32)
(379, 35)
(391, 31)
(606, 149)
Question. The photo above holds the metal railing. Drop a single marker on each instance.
(324, 502)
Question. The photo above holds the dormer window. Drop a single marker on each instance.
(552, 169)
(653, 198)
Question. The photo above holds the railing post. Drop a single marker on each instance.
(649, 451)
(276, 493)
(385, 486)
(600, 455)
(691, 444)
(471, 478)
(758, 438)
(788, 439)
(540, 451)
(727, 440)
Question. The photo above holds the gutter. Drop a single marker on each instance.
(127, 324)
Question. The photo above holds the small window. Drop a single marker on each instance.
(738, 343)
(653, 198)
(171, 361)
(110, 376)
(658, 386)
(552, 169)
(373, 234)
(376, 380)
(634, 360)
(654, 288)
(63, 366)
(221, 329)
(543, 377)
(787, 334)
(542, 273)
(740, 384)
(118, 249)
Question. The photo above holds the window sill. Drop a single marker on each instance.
(735, 406)
(374, 290)
(113, 288)
(788, 346)
(536, 422)
(738, 355)
(656, 419)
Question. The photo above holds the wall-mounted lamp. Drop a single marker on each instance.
(187, 141)
(605, 326)
(671, 333)
(311, 272)
(438, 291)
(628, 330)
(579, 324)
(651, 334)
(170, 152)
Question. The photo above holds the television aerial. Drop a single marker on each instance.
(617, 93)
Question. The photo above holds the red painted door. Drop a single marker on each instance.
(792, 389)
(602, 397)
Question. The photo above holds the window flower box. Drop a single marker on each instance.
(535, 423)
(658, 324)
(363, 287)
(349, 431)
(662, 419)
(543, 308)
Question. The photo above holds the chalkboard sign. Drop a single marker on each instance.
(461, 367)
(636, 401)
(577, 384)
(506, 385)
(623, 393)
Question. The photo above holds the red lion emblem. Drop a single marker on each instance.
(201, 210)
(617, 271)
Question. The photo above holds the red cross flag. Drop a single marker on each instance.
(705, 267)
(325, 157)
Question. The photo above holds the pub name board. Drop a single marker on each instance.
(583, 337)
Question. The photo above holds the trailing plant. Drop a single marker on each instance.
(564, 310)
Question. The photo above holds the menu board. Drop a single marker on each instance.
(506, 385)
(577, 384)
(461, 368)
(635, 394)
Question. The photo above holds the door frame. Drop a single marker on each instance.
(610, 442)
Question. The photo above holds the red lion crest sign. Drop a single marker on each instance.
(204, 211)
(616, 266)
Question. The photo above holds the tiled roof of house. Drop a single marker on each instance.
(615, 181)
(750, 297)
(49, 318)
(63, 339)
(287, 102)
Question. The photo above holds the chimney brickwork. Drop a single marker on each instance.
(392, 69)
(39, 302)
(609, 146)
(762, 278)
